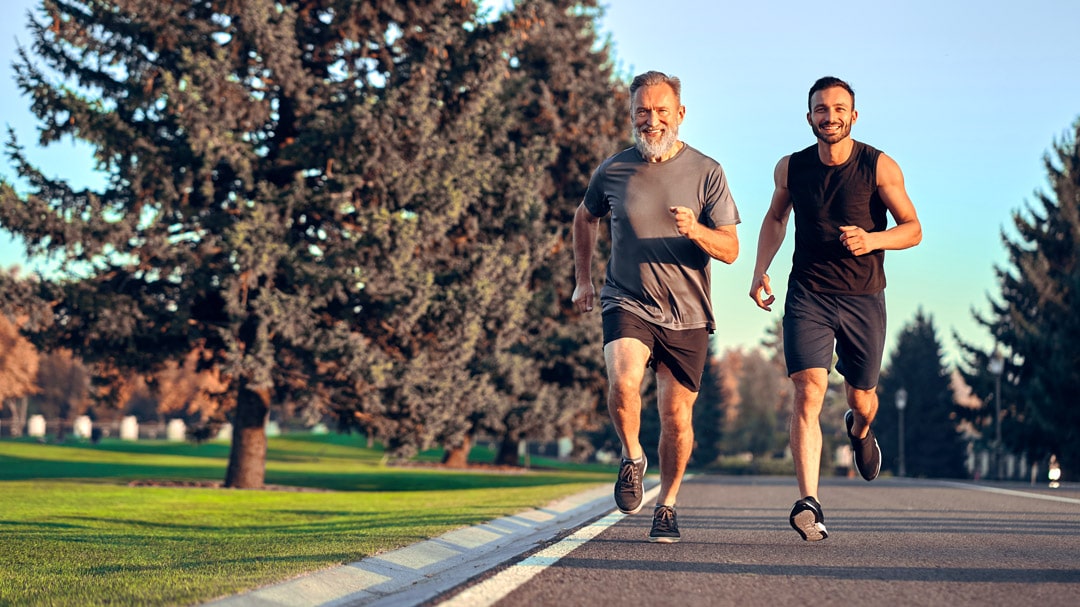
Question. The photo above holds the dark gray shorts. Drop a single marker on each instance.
(855, 324)
(683, 352)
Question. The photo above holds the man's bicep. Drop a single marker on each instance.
(892, 190)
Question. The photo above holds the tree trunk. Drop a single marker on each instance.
(508, 452)
(247, 456)
(458, 457)
(18, 409)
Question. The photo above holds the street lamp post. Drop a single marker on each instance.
(901, 402)
(996, 367)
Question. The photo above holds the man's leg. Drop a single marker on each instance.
(626, 359)
(864, 445)
(805, 441)
(676, 406)
(805, 431)
(865, 405)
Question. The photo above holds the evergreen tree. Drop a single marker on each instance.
(563, 106)
(709, 412)
(1035, 321)
(288, 191)
(933, 446)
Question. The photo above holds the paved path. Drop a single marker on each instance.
(893, 541)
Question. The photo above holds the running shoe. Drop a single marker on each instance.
(628, 489)
(665, 527)
(808, 519)
(866, 450)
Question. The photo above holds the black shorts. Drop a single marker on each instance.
(683, 352)
(814, 322)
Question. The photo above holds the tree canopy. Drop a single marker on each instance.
(933, 446)
(1034, 319)
(357, 206)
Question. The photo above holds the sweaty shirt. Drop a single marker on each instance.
(825, 198)
(655, 272)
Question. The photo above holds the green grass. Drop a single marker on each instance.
(73, 532)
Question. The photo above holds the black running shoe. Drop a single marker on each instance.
(808, 519)
(628, 489)
(866, 450)
(665, 527)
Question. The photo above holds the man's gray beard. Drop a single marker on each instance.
(660, 148)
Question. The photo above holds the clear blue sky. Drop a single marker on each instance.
(966, 95)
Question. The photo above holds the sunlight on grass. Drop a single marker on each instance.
(73, 532)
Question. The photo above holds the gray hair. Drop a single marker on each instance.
(653, 78)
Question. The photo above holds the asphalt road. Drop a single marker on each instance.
(891, 542)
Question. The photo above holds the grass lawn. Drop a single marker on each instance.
(74, 532)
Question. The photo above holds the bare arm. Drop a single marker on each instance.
(584, 231)
(771, 236)
(905, 234)
(720, 243)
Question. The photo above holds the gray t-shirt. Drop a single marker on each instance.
(655, 272)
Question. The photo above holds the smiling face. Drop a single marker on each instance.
(657, 116)
(832, 113)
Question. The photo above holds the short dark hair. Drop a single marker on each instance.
(827, 83)
(653, 78)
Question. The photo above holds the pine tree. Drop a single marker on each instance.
(1035, 323)
(933, 446)
(710, 411)
(287, 182)
(565, 112)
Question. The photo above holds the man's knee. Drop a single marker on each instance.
(810, 385)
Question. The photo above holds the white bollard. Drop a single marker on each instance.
(129, 428)
(566, 447)
(176, 430)
(83, 427)
(35, 426)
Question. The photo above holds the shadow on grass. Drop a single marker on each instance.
(328, 475)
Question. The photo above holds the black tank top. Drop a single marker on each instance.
(825, 198)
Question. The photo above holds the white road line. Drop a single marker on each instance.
(1014, 493)
(495, 588)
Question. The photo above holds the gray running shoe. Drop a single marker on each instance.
(866, 450)
(665, 527)
(808, 519)
(628, 489)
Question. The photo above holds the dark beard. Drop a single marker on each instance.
(844, 132)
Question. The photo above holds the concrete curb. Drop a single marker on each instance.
(422, 571)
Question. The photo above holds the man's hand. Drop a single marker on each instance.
(583, 298)
(685, 220)
(856, 240)
(761, 284)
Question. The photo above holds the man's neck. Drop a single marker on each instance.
(833, 154)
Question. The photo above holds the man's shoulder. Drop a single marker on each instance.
(629, 154)
(810, 150)
(691, 154)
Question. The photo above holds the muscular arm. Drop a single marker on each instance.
(584, 231)
(771, 236)
(906, 233)
(720, 243)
